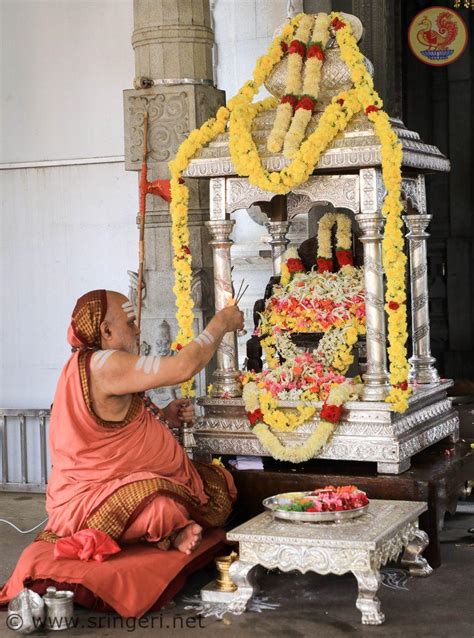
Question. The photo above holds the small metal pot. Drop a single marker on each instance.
(59, 607)
(26, 612)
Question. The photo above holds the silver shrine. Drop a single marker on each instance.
(348, 176)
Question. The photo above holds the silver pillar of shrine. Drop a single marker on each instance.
(225, 379)
(278, 242)
(348, 177)
(422, 363)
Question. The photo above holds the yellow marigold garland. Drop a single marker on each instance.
(393, 256)
(293, 453)
(180, 231)
(338, 395)
(343, 233)
(244, 152)
(247, 163)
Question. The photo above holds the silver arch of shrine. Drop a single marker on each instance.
(348, 176)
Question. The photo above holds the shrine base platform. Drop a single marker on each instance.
(368, 431)
(437, 476)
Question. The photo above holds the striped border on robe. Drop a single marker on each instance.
(118, 511)
(136, 404)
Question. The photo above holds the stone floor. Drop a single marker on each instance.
(291, 605)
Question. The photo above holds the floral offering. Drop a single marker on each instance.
(329, 499)
(316, 302)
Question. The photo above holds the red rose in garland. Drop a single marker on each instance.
(337, 24)
(256, 415)
(344, 257)
(290, 99)
(307, 103)
(331, 413)
(295, 265)
(315, 51)
(325, 265)
(297, 47)
(371, 109)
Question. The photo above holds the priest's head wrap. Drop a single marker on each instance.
(84, 330)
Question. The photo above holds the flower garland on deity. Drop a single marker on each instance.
(343, 241)
(260, 401)
(328, 303)
(288, 102)
(291, 262)
(306, 104)
(239, 117)
(332, 303)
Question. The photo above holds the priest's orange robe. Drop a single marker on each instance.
(131, 479)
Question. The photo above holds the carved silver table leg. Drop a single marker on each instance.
(422, 363)
(226, 377)
(278, 242)
(375, 377)
(367, 602)
(244, 575)
(412, 558)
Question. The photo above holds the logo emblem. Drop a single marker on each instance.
(437, 36)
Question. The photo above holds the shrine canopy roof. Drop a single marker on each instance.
(355, 148)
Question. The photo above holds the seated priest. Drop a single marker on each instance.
(117, 468)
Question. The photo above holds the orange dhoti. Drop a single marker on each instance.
(131, 479)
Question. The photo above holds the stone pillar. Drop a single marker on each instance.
(422, 368)
(278, 242)
(173, 42)
(370, 221)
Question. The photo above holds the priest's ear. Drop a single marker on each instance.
(105, 331)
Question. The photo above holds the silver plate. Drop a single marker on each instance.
(274, 503)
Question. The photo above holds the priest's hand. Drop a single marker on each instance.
(178, 412)
(232, 318)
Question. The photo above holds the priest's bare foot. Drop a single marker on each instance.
(188, 539)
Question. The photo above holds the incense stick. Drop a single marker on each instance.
(236, 296)
(239, 297)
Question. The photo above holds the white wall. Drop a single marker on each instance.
(64, 231)
(67, 228)
(64, 66)
(243, 31)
